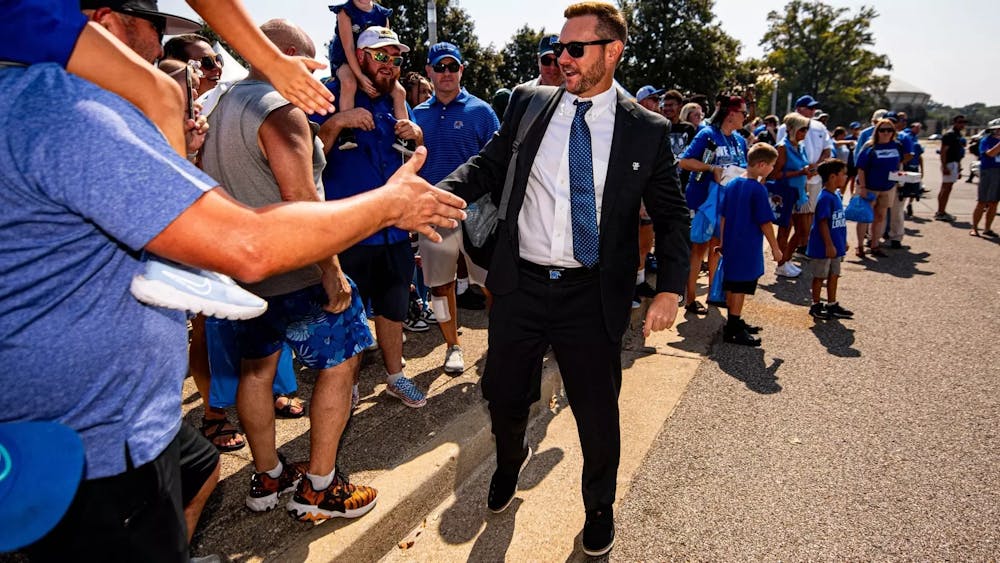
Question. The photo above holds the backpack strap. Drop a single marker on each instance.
(535, 107)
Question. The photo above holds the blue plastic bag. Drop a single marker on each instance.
(859, 210)
(707, 216)
(715, 293)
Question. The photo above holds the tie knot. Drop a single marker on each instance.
(582, 107)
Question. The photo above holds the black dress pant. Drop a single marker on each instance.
(566, 314)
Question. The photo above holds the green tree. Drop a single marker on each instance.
(817, 49)
(409, 20)
(520, 56)
(676, 44)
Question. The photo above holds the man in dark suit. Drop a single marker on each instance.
(563, 271)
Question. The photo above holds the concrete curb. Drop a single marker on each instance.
(408, 492)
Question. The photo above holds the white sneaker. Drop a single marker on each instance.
(786, 270)
(176, 286)
(453, 360)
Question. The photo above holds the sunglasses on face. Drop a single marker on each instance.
(451, 67)
(548, 60)
(384, 58)
(575, 48)
(158, 23)
(212, 62)
(886, 130)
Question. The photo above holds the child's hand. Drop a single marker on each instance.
(831, 251)
(718, 173)
(366, 86)
(776, 254)
(292, 78)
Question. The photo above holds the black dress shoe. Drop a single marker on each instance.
(599, 532)
(470, 301)
(740, 337)
(751, 329)
(503, 486)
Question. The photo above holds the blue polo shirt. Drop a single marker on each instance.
(453, 133)
(830, 208)
(746, 207)
(75, 346)
(985, 144)
(40, 31)
(368, 167)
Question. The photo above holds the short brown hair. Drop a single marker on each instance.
(829, 167)
(610, 22)
(761, 152)
(673, 95)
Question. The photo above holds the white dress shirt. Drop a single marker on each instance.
(544, 225)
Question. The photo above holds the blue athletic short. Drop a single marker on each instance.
(320, 339)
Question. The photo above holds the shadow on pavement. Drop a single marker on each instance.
(836, 338)
(901, 263)
(796, 291)
(746, 364)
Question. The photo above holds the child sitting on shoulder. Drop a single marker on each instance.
(828, 241)
(745, 220)
(353, 17)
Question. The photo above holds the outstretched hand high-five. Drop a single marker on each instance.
(420, 206)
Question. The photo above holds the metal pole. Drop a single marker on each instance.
(774, 98)
(432, 22)
(788, 104)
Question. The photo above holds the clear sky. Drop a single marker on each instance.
(939, 46)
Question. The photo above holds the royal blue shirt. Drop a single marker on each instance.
(453, 133)
(829, 208)
(40, 31)
(878, 161)
(863, 137)
(369, 166)
(985, 144)
(360, 21)
(729, 150)
(75, 346)
(746, 207)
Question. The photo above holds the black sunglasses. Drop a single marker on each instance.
(212, 63)
(575, 48)
(548, 60)
(159, 23)
(451, 67)
(886, 130)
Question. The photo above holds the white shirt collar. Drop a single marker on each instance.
(605, 101)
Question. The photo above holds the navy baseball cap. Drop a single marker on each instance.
(545, 45)
(443, 50)
(647, 91)
(173, 25)
(855, 125)
(41, 464)
(892, 116)
(806, 101)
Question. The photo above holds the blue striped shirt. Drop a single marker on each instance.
(453, 133)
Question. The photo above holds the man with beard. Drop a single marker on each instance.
(562, 273)
(382, 264)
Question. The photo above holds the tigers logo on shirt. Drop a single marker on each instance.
(458, 124)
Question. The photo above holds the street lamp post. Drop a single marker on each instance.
(432, 22)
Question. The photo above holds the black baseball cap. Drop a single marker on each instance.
(174, 25)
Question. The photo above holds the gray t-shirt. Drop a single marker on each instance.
(233, 156)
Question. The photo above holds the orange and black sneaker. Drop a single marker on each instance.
(264, 489)
(340, 500)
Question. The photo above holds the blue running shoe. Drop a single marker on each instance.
(406, 391)
(175, 286)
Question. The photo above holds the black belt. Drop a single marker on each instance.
(556, 273)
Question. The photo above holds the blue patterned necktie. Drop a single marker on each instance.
(582, 204)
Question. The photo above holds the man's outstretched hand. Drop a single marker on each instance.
(420, 206)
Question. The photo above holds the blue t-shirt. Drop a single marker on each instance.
(729, 150)
(829, 207)
(40, 31)
(863, 138)
(86, 181)
(985, 144)
(369, 166)
(746, 207)
(878, 161)
(360, 21)
(453, 133)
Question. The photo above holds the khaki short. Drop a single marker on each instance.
(823, 268)
(884, 200)
(952, 176)
(440, 260)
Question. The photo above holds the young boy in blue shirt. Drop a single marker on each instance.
(828, 241)
(745, 220)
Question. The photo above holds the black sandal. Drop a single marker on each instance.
(216, 428)
(286, 411)
(696, 308)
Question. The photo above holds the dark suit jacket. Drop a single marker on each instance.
(641, 168)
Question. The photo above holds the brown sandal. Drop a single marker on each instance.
(293, 407)
(215, 428)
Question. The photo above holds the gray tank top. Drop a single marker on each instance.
(232, 156)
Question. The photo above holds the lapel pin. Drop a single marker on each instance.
(635, 166)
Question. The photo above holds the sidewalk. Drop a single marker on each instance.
(419, 458)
